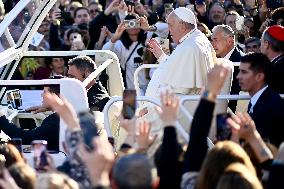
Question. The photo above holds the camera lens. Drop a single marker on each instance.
(131, 24)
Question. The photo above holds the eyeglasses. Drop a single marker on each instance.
(252, 47)
(94, 11)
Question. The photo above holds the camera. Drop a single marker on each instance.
(14, 98)
(132, 24)
(76, 37)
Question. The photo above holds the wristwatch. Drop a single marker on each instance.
(209, 95)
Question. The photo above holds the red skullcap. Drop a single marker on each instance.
(277, 32)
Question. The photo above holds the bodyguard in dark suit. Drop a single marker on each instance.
(223, 41)
(265, 107)
(272, 45)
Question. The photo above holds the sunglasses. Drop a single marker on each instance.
(94, 11)
(252, 47)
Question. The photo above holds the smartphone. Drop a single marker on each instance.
(129, 103)
(40, 154)
(77, 37)
(65, 15)
(17, 142)
(89, 129)
(224, 131)
(129, 3)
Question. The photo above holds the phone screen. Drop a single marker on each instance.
(89, 128)
(40, 154)
(224, 131)
(129, 104)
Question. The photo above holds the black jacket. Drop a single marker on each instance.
(48, 130)
(268, 115)
(235, 88)
(277, 75)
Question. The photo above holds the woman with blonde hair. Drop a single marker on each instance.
(238, 176)
(218, 158)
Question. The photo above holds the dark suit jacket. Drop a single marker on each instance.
(277, 75)
(49, 131)
(235, 88)
(268, 115)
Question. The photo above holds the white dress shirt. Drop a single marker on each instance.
(255, 98)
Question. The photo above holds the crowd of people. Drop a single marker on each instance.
(194, 42)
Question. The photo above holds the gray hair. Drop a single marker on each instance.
(253, 39)
(133, 172)
(227, 30)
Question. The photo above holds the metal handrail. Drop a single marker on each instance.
(136, 82)
(180, 129)
(94, 74)
(145, 66)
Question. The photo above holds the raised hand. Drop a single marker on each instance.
(216, 78)
(144, 137)
(119, 30)
(128, 124)
(155, 48)
(99, 161)
(169, 110)
(113, 7)
(243, 125)
(63, 108)
(7, 181)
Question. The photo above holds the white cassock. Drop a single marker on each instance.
(184, 72)
(186, 68)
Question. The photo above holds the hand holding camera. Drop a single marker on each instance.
(119, 30)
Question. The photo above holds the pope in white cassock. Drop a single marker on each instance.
(185, 70)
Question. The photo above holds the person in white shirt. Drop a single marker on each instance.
(185, 70)
(128, 44)
(223, 41)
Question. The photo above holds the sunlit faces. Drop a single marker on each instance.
(248, 79)
(175, 28)
(222, 43)
(82, 16)
(231, 21)
(74, 72)
(57, 66)
(217, 14)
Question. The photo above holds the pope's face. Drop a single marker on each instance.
(174, 28)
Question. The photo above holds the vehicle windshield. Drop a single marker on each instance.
(17, 24)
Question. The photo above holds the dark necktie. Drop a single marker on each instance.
(249, 106)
